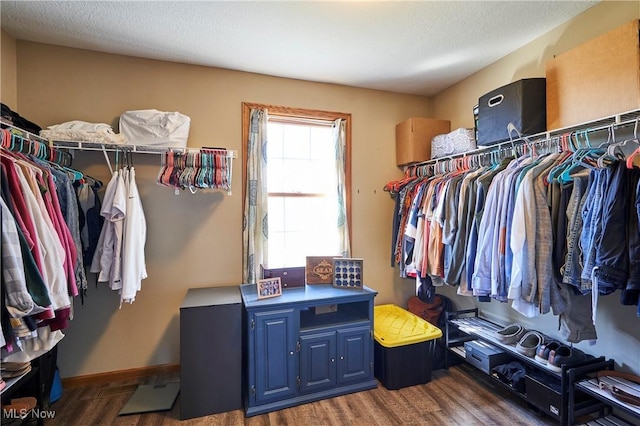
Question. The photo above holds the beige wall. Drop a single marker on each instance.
(617, 325)
(456, 103)
(195, 240)
(8, 71)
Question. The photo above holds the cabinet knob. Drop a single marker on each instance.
(341, 357)
(291, 353)
(333, 360)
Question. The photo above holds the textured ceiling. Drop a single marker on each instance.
(419, 47)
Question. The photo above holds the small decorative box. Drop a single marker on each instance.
(291, 277)
(319, 270)
(347, 272)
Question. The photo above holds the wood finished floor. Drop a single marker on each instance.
(453, 397)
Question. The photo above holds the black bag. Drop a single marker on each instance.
(522, 103)
(433, 312)
(18, 121)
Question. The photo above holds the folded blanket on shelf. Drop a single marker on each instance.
(77, 130)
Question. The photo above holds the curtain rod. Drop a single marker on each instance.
(299, 120)
(616, 122)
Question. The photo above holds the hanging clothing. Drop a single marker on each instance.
(90, 219)
(20, 301)
(109, 245)
(135, 233)
(39, 266)
(119, 256)
(538, 232)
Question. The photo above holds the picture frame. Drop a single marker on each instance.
(269, 287)
(348, 272)
(319, 270)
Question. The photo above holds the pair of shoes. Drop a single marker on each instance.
(9, 370)
(564, 355)
(529, 343)
(542, 355)
(511, 334)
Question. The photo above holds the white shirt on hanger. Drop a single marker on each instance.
(135, 234)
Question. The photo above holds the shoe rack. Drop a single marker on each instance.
(552, 392)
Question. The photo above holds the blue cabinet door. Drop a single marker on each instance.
(355, 355)
(275, 355)
(317, 361)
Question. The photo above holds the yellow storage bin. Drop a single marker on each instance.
(404, 347)
(394, 326)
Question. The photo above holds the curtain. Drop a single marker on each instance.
(340, 141)
(255, 231)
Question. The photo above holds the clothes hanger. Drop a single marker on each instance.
(555, 172)
(581, 159)
(633, 160)
(44, 153)
(163, 167)
(200, 163)
(394, 186)
(5, 138)
(569, 148)
(622, 150)
(606, 158)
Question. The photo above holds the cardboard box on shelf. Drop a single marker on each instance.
(599, 78)
(413, 138)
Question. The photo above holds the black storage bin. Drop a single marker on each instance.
(545, 393)
(210, 351)
(522, 103)
(404, 366)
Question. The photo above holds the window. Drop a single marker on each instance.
(301, 183)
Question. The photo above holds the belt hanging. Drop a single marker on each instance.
(615, 391)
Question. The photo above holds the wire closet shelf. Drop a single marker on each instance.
(609, 126)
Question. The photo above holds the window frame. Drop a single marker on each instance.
(305, 114)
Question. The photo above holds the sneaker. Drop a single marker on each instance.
(542, 355)
(510, 334)
(564, 355)
(529, 343)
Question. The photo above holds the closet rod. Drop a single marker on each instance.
(54, 155)
(27, 133)
(616, 122)
(140, 149)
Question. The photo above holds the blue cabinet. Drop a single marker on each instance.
(317, 361)
(355, 360)
(275, 354)
(310, 343)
